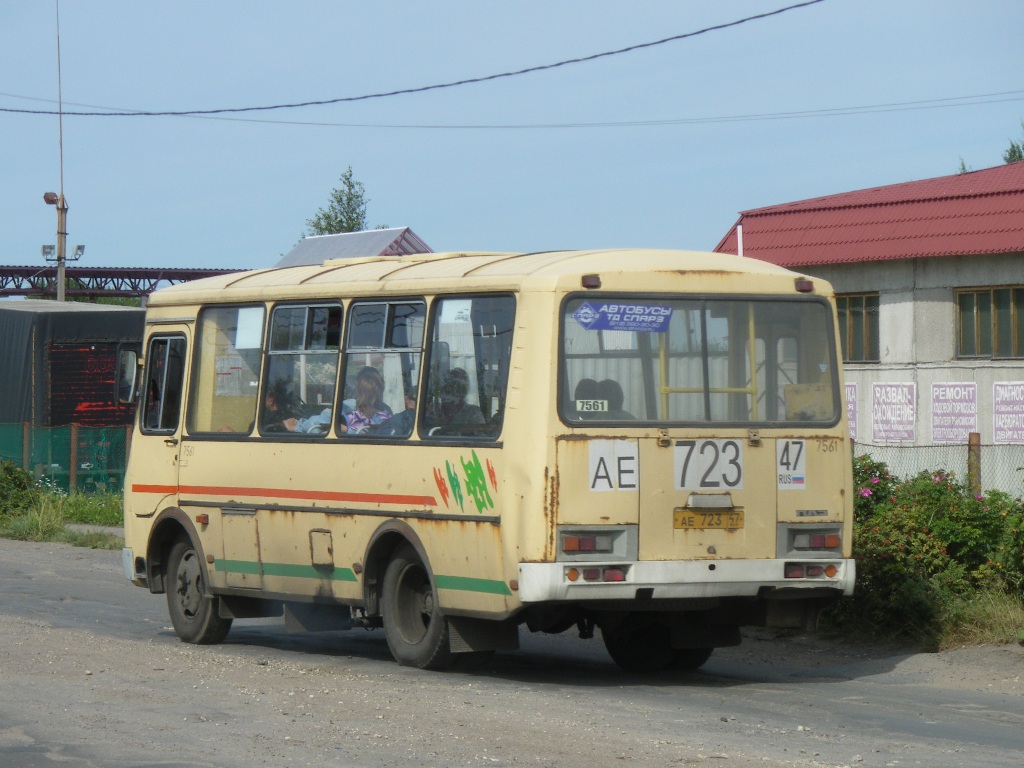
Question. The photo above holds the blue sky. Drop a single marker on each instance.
(236, 193)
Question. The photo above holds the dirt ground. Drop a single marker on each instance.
(92, 676)
(993, 668)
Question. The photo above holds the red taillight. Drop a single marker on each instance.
(810, 570)
(817, 541)
(597, 573)
(586, 543)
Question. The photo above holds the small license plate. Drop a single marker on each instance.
(706, 518)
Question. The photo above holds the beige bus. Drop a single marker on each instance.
(452, 446)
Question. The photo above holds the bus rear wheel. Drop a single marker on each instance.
(641, 647)
(415, 628)
(196, 617)
(691, 658)
(646, 647)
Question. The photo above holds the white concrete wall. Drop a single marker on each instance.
(918, 332)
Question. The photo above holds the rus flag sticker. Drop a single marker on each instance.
(791, 464)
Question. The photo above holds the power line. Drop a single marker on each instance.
(998, 97)
(426, 88)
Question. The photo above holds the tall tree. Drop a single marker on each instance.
(346, 212)
(1015, 153)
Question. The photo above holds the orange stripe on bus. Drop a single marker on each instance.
(290, 493)
(139, 488)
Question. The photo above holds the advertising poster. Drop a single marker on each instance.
(954, 411)
(851, 409)
(893, 412)
(1008, 412)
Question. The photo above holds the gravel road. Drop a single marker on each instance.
(91, 675)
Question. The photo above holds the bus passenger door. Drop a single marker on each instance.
(156, 450)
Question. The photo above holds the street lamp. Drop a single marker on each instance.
(52, 198)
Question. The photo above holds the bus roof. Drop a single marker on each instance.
(440, 272)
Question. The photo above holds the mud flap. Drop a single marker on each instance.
(467, 635)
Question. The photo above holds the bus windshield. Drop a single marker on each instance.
(692, 360)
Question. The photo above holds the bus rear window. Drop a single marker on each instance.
(698, 360)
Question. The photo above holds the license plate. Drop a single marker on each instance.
(694, 518)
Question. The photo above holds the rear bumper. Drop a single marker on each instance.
(674, 580)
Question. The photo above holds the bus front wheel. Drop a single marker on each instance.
(195, 616)
(415, 628)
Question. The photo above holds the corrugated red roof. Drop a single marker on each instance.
(980, 212)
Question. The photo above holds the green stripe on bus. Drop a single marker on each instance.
(249, 567)
(252, 568)
(468, 584)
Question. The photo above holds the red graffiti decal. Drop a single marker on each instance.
(492, 474)
(442, 486)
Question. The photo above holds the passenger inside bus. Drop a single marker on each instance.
(452, 408)
(401, 424)
(611, 390)
(317, 424)
(370, 409)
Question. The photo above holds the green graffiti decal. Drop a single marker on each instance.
(476, 483)
(453, 481)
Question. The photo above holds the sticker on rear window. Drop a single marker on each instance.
(649, 318)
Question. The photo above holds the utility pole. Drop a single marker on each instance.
(52, 198)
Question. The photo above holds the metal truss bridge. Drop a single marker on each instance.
(93, 282)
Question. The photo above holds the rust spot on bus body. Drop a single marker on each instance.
(550, 513)
(700, 272)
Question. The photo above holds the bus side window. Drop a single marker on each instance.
(381, 372)
(228, 356)
(471, 344)
(165, 371)
(301, 369)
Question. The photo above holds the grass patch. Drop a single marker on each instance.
(43, 521)
(92, 539)
(47, 515)
(988, 616)
(94, 509)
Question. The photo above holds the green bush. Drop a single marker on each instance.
(17, 491)
(925, 548)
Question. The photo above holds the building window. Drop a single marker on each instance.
(858, 327)
(991, 322)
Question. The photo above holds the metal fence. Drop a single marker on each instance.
(83, 459)
(91, 459)
(986, 467)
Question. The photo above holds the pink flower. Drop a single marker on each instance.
(865, 492)
(875, 481)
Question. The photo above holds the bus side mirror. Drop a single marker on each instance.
(127, 376)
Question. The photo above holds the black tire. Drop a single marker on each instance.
(642, 648)
(415, 628)
(195, 616)
(691, 658)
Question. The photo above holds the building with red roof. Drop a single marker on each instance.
(929, 278)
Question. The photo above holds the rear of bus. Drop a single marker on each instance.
(703, 466)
